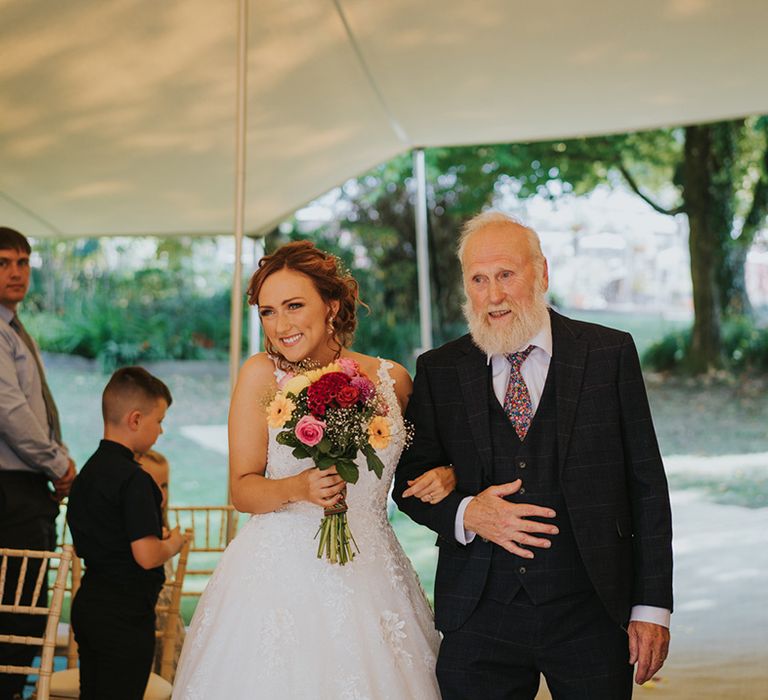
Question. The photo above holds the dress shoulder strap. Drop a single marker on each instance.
(279, 373)
(386, 380)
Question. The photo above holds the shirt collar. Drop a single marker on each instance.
(118, 448)
(6, 314)
(542, 340)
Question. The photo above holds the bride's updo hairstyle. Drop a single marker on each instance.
(331, 281)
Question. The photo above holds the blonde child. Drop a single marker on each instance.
(157, 466)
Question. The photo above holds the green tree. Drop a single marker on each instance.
(718, 173)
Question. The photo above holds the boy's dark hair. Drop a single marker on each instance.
(129, 389)
(10, 239)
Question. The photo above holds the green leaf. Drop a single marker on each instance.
(286, 437)
(374, 463)
(300, 452)
(325, 462)
(324, 445)
(347, 470)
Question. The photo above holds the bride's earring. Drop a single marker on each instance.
(330, 326)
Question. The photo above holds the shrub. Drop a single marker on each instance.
(745, 348)
(124, 325)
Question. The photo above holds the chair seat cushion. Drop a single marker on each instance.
(62, 635)
(158, 688)
(66, 684)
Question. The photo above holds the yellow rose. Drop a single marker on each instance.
(295, 384)
(314, 374)
(279, 411)
(379, 432)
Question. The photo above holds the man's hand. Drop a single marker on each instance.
(506, 524)
(64, 483)
(648, 648)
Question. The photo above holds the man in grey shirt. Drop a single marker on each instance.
(31, 451)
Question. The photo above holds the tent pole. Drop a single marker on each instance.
(236, 324)
(254, 324)
(422, 250)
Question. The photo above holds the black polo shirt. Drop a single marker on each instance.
(114, 502)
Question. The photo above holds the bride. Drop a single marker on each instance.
(275, 621)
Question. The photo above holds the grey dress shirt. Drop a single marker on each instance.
(26, 442)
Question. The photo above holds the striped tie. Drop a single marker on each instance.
(517, 401)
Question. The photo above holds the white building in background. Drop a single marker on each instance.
(609, 250)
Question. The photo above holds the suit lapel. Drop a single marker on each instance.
(473, 380)
(569, 355)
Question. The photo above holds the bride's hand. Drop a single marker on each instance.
(432, 486)
(323, 487)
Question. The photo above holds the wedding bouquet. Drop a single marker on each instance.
(331, 414)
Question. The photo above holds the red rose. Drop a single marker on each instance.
(347, 396)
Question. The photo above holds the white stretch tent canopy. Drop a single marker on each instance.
(118, 116)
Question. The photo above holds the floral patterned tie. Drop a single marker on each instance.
(517, 401)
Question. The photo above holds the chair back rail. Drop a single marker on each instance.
(169, 629)
(213, 527)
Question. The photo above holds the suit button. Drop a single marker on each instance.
(522, 569)
(483, 539)
(522, 490)
(522, 464)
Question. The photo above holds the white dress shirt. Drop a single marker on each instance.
(534, 372)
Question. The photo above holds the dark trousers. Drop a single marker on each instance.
(27, 515)
(502, 649)
(114, 627)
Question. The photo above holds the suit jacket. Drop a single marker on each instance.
(610, 468)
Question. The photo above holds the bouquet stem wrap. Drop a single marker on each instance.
(336, 538)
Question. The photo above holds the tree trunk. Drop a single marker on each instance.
(735, 300)
(704, 241)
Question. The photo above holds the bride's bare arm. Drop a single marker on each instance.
(433, 485)
(251, 491)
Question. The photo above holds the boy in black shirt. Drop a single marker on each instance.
(116, 522)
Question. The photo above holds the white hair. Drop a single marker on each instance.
(514, 226)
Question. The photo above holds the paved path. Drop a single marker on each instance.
(720, 625)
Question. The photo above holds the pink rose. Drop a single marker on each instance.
(309, 430)
(348, 366)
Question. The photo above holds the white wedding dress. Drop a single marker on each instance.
(277, 622)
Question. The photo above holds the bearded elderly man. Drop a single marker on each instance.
(555, 552)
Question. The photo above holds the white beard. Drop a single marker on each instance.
(523, 323)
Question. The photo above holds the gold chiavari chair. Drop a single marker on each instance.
(32, 573)
(213, 528)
